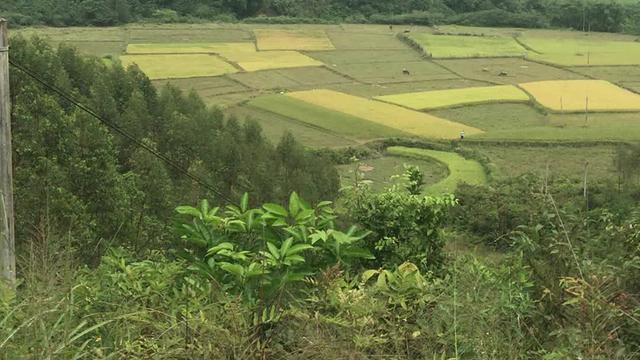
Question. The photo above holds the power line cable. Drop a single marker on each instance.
(120, 131)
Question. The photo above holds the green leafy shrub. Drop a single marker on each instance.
(404, 227)
(261, 253)
(492, 213)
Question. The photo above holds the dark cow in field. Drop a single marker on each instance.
(406, 72)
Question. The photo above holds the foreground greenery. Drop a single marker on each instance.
(554, 280)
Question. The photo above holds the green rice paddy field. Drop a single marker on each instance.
(346, 85)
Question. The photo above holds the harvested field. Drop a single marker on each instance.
(266, 79)
(312, 76)
(225, 101)
(455, 97)
(507, 70)
(97, 48)
(495, 117)
(291, 78)
(576, 127)
(360, 40)
(461, 170)
(393, 72)
(187, 48)
(346, 57)
(196, 33)
(561, 161)
(614, 74)
(58, 34)
(284, 39)
(371, 90)
(205, 86)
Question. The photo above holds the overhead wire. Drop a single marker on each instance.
(119, 130)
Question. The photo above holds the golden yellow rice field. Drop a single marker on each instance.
(189, 48)
(263, 60)
(453, 97)
(244, 54)
(281, 39)
(393, 116)
(179, 65)
(578, 95)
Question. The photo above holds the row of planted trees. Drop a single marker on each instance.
(592, 15)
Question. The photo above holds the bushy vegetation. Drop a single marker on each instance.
(289, 282)
(593, 15)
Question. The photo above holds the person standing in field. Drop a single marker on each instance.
(462, 135)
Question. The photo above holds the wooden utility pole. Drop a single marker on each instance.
(7, 227)
(586, 189)
(586, 111)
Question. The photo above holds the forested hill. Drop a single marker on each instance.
(596, 15)
(73, 176)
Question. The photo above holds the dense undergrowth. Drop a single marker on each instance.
(554, 280)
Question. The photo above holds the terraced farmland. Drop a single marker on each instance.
(347, 85)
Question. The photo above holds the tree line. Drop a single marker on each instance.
(594, 15)
(76, 179)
